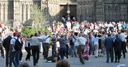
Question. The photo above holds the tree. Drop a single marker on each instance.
(37, 16)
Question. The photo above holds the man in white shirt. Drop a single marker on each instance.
(81, 41)
(45, 44)
(35, 47)
(122, 37)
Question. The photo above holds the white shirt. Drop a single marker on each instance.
(96, 40)
(86, 31)
(34, 41)
(44, 37)
(81, 40)
(13, 40)
(122, 36)
(75, 41)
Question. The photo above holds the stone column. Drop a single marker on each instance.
(21, 12)
(16, 12)
(2, 12)
(6, 12)
(28, 11)
(24, 13)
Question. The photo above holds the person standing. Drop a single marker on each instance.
(90, 43)
(39, 35)
(6, 44)
(96, 44)
(27, 48)
(117, 48)
(122, 37)
(1, 47)
(54, 46)
(15, 53)
(63, 43)
(35, 48)
(109, 48)
(72, 47)
(45, 45)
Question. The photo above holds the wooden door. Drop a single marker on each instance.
(72, 11)
(63, 10)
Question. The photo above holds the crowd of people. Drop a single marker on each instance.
(68, 38)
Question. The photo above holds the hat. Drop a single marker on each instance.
(14, 33)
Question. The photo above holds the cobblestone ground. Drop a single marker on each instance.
(73, 61)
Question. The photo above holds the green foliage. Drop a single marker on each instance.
(37, 15)
(29, 30)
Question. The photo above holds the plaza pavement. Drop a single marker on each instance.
(73, 61)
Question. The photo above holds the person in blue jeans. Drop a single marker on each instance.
(90, 44)
(15, 54)
(39, 35)
(63, 39)
(72, 47)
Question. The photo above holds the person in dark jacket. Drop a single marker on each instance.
(117, 48)
(109, 48)
(6, 44)
(63, 43)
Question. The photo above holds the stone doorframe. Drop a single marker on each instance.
(69, 4)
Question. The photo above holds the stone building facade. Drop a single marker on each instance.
(13, 11)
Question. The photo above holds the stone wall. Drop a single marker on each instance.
(14, 11)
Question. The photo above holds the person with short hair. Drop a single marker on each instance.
(117, 48)
(109, 47)
(6, 44)
(46, 44)
(122, 37)
(62, 63)
(15, 54)
(63, 43)
(35, 48)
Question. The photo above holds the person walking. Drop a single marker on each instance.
(35, 48)
(117, 48)
(15, 53)
(6, 44)
(86, 50)
(109, 48)
(81, 41)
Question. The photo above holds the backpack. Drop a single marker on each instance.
(6, 42)
(18, 45)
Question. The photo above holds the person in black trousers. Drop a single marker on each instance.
(27, 48)
(117, 48)
(6, 44)
(35, 48)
